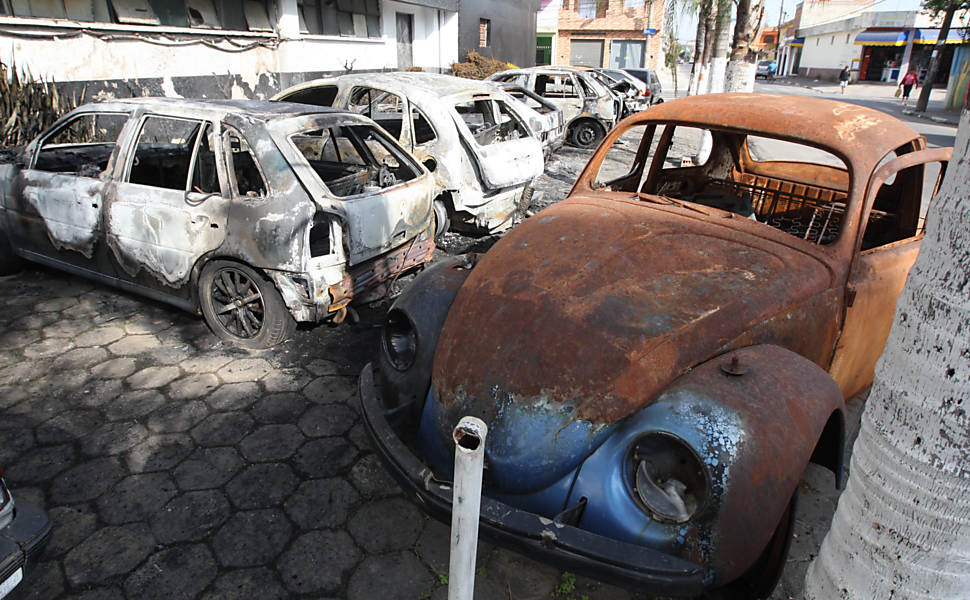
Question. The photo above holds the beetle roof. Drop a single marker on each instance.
(258, 109)
(862, 135)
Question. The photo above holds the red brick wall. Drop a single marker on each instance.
(618, 23)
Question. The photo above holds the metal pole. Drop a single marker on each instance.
(466, 503)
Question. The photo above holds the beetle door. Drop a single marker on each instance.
(501, 144)
(57, 212)
(885, 251)
(171, 207)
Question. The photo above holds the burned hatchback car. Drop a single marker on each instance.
(255, 214)
(659, 356)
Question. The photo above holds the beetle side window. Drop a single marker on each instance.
(247, 179)
(82, 145)
(164, 152)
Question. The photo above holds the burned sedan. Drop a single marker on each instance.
(255, 214)
(659, 356)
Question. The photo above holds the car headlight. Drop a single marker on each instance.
(669, 478)
(400, 340)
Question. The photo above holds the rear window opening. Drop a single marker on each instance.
(490, 121)
(315, 96)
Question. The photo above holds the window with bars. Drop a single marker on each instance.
(484, 33)
(353, 18)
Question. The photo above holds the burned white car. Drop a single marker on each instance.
(482, 153)
(545, 118)
(254, 214)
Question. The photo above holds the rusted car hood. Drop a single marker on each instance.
(585, 312)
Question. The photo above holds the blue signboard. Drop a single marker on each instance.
(650, 31)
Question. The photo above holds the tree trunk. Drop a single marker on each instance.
(744, 58)
(902, 527)
(722, 45)
(695, 69)
(924, 94)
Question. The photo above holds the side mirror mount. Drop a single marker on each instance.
(430, 163)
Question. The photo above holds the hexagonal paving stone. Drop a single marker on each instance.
(234, 396)
(48, 348)
(208, 468)
(14, 442)
(261, 486)
(114, 368)
(193, 386)
(36, 320)
(321, 366)
(153, 377)
(41, 464)
(86, 481)
(360, 438)
(325, 457)
(133, 404)
(135, 498)
(54, 305)
(67, 328)
(103, 593)
(330, 390)
(10, 395)
(71, 527)
(222, 429)
(252, 538)
(204, 364)
(401, 576)
(113, 438)
(173, 573)
(279, 408)
(109, 551)
(286, 380)
(99, 392)
(246, 584)
(178, 416)
(371, 478)
(385, 525)
(317, 562)
(159, 452)
(18, 338)
(134, 344)
(331, 419)
(80, 358)
(190, 517)
(271, 442)
(245, 369)
(172, 354)
(46, 581)
(321, 503)
(100, 336)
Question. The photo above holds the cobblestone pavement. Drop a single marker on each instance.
(175, 466)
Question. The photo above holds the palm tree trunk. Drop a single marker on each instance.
(902, 527)
(722, 45)
(924, 94)
(695, 70)
(744, 58)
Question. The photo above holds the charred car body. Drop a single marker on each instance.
(24, 529)
(482, 153)
(545, 118)
(659, 356)
(255, 214)
(589, 107)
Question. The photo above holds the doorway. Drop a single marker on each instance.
(405, 40)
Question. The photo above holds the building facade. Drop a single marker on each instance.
(611, 33)
(501, 29)
(220, 48)
(547, 31)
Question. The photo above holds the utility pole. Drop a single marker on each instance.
(781, 14)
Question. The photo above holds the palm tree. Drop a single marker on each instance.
(722, 45)
(744, 58)
(949, 8)
(902, 527)
(705, 20)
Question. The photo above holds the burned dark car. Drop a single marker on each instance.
(24, 530)
(659, 356)
(255, 214)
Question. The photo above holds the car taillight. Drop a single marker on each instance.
(647, 92)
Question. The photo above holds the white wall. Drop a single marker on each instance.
(433, 46)
(824, 53)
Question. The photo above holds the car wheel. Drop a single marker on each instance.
(586, 134)
(761, 578)
(243, 307)
(10, 263)
(441, 220)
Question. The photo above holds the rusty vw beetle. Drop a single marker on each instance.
(659, 356)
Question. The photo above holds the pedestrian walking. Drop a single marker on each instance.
(844, 78)
(909, 80)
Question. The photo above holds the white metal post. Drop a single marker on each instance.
(466, 503)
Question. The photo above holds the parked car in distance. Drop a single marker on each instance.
(766, 69)
(589, 107)
(660, 355)
(24, 529)
(254, 214)
(482, 153)
(545, 118)
(649, 77)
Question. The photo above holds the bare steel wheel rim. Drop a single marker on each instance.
(237, 303)
(586, 134)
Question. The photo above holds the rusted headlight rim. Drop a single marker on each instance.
(398, 324)
(633, 463)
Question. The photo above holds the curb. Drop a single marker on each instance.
(923, 115)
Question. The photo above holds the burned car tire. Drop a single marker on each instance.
(243, 307)
(586, 134)
(441, 220)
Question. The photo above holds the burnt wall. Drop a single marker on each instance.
(512, 25)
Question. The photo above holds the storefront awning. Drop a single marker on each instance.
(929, 36)
(797, 42)
(882, 37)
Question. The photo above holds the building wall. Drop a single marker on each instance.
(110, 59)
(622, 20)
(824, 55)
(513, 29)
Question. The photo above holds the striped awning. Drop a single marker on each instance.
(882, 37)
(797, 42)
(929, 36)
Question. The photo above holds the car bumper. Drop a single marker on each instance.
(20, 542)
(565, 546)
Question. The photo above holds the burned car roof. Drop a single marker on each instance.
(260, 109)
(432, 86)
(862, 135)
